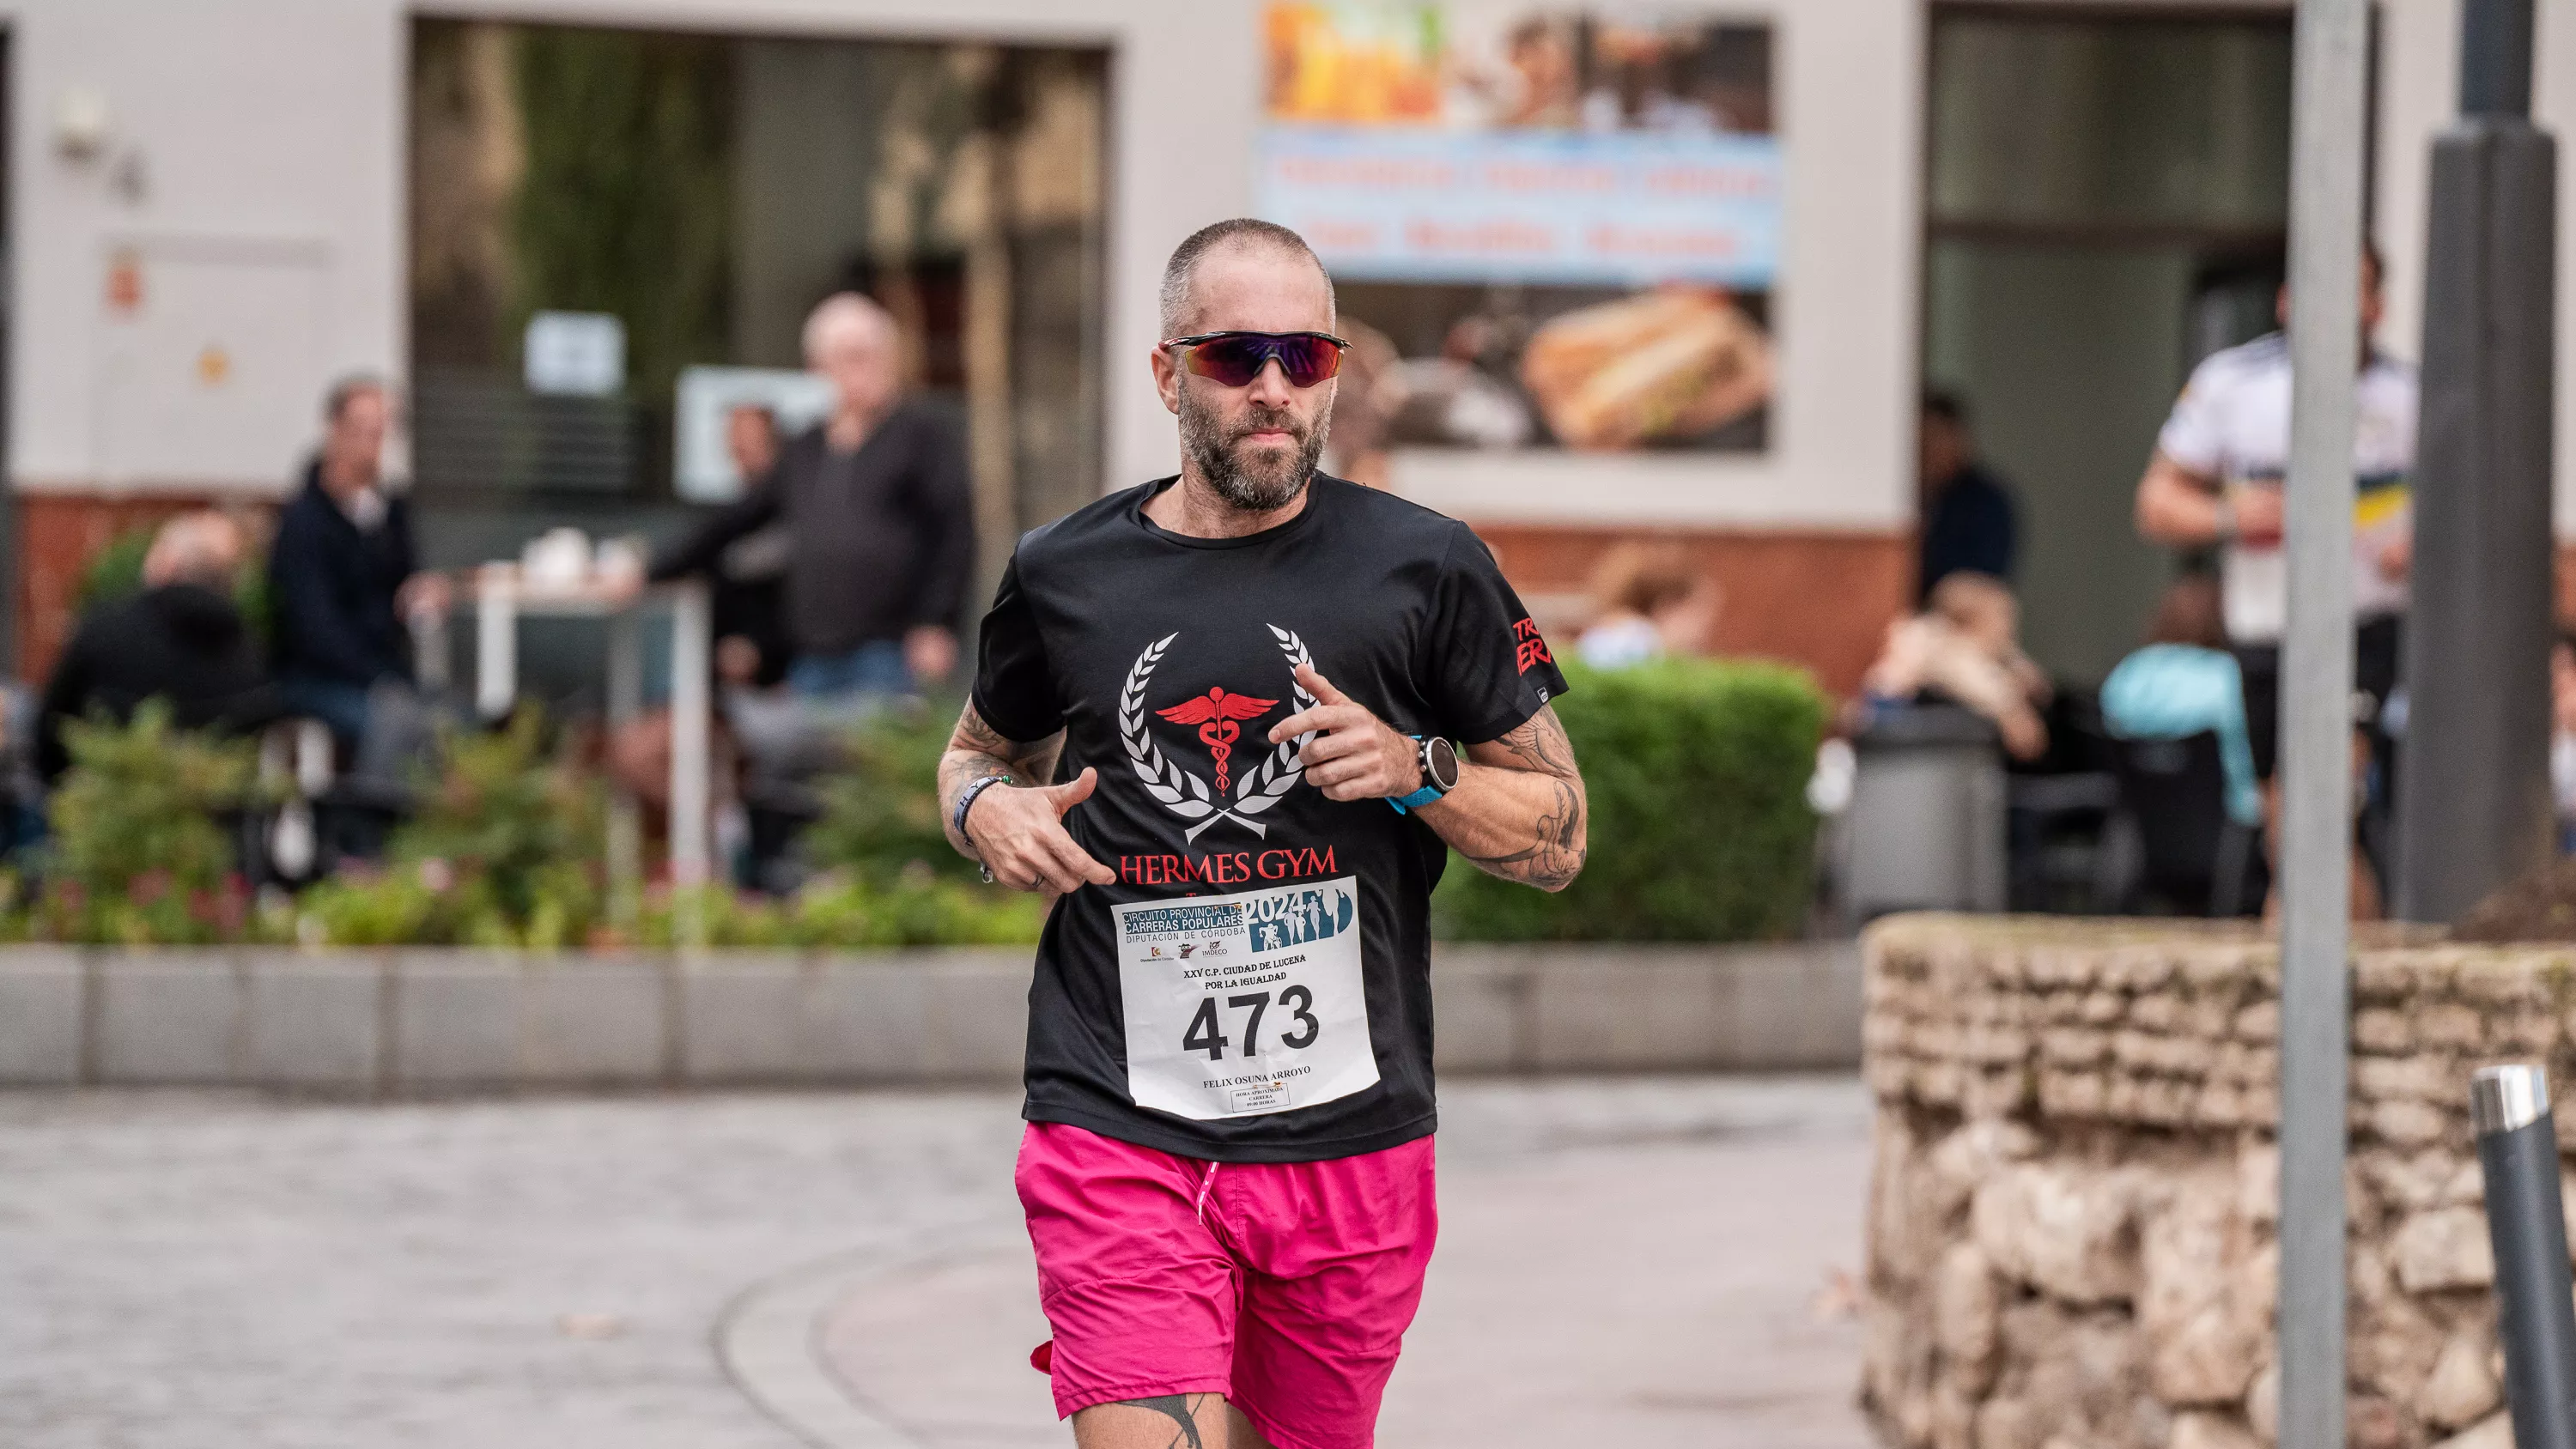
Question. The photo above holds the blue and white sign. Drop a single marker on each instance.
(575, 354)
(1625, 209)
(703, 469)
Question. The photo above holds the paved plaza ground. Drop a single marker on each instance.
(1645, 1262)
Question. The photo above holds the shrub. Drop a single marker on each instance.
(115, 570)
(1699, 828)
(881, 812)
(505, 849)
(140, 852)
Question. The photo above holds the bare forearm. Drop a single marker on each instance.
(976, 750)
(1519, 811)
(1516, 824)
(2177, 507)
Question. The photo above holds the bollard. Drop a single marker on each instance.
(2518, 1151)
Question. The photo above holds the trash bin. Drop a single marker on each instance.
(1925, 830)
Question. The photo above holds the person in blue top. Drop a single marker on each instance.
(1969, 522)
(2184, 682)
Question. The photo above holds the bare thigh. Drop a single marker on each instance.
(1168, 1421)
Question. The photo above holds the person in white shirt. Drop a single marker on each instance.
(2216, 480)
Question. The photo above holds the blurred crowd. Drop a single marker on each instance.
(2155, 784)
(837, 578)
(835, 584)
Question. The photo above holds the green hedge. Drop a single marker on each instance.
(505, 849)
(1700, 830)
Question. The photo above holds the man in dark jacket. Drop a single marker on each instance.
(342, 574)
(1969, 523)
(181, 639)
(879, 518)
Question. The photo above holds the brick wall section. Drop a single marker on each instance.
(1822, 600)
(2074, 1201)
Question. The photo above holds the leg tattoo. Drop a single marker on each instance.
(1182, 1409)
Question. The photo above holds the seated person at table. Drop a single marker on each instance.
(342, 574)
(1965, 647)
(1648, 602)
(2183, 682)
(182, 639)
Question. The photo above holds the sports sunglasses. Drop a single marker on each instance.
(1236, 358)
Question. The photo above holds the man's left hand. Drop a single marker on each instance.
(2397, 557)
(1354, 755)
(929, 652)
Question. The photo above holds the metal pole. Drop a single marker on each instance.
(2474, 807)
(2518, 1151)
(2328, 116)
(625, 819)
(496, 640)
(691, 646)
(2495, 58)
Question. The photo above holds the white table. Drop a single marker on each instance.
(502, 598)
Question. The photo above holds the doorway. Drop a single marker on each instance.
(2106, 202)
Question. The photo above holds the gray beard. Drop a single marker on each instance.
(1260, 488)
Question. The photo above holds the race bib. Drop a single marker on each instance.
(1243, 1005)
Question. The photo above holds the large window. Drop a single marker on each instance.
(705, 191)
(2106, 195)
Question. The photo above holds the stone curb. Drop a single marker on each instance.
(357, 1022)
(766, 1342)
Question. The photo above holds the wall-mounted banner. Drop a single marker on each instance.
(1548, 225)
(1621, 210)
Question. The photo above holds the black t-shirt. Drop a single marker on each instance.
(1165, 660)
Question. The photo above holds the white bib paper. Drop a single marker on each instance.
(1242, 1005)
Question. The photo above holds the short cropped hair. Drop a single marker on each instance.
(202, 548)
(1182, 269)
(1948, 406)
(844, 309)
(336, 401)
(1638, 578)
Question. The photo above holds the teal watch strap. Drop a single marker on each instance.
(1407, 804)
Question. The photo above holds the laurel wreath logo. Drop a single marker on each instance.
(1276, 776)
(1181, 791)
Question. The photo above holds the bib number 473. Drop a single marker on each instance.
(1206, 1031)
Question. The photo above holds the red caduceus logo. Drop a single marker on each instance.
(1219, 716)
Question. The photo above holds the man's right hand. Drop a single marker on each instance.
(1018, 832)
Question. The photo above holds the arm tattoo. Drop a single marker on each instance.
(1557, 845)
(1541, 745)
(1181, 1409)
(975, 750)
(1555, 856)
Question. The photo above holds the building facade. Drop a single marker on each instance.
(209, 216)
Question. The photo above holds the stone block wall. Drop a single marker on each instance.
(2072, 1226)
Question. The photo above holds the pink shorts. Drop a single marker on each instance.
(1286, 1287)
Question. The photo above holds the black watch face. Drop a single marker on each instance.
(1440, 764)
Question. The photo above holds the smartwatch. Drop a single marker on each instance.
(1439, 760)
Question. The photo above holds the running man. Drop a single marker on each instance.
(2216, 480)
(1228, 1164)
